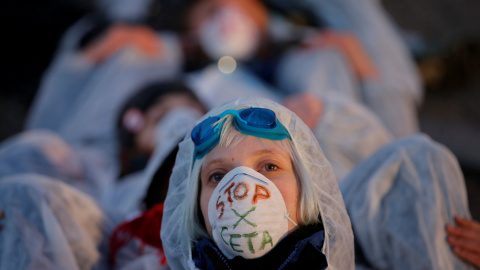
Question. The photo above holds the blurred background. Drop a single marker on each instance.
(443, 36)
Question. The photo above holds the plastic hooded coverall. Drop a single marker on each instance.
(128, 194)
(47, 225)
(394, 96)
(400, 200)
(347, 131)
(300, 69)
(348, 134)
(338, 245)
(81, 100)
(44, 152)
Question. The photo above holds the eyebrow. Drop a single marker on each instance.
(256, 153)
(265, 151)
(217, 161)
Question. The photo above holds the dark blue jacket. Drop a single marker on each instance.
(301, 249)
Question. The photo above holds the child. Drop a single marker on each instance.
(298, 215)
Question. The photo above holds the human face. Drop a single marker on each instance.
(203, 10)
(145, 138)
(265, 156)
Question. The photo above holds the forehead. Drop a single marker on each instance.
(249, 147)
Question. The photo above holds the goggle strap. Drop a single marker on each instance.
(275, 134)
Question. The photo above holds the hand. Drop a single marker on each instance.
(464, 237)
(120, 36)
(307, 106)
(362, 64)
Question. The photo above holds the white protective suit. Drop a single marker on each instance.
(347, 131)
(400, 200)
(338, 245)
(81, 101)
(47, 225)
(127, 195)
(394, 96)
(44, 152)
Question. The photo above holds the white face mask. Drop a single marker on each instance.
(229, 32)
(247, 213)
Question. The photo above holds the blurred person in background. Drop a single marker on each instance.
(400, 201)
(47, 224)
(148, 120)
(100, 59)
(401, 80)
(347, 47)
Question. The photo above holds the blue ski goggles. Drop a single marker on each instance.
(258, 122)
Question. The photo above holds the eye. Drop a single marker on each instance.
(217, 177)
(270, 167)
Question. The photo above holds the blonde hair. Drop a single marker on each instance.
(230, 136)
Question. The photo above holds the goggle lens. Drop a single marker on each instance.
(259, 117)
(258, 122)
(204, 130)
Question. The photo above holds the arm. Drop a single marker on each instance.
(464, 237)
(378, 34)
(359, 59)
(119, 36)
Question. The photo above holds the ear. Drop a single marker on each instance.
(133, 120)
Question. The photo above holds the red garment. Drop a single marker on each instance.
(145, 227)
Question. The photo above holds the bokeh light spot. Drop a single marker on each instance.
(227, 64)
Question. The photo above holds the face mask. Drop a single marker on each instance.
(229, 32)
(247, 213)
